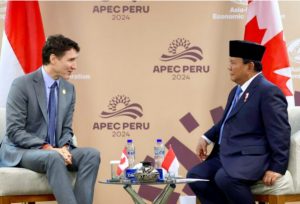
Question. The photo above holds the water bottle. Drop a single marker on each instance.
(130, 153)
(159, 153)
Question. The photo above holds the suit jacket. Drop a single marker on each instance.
(27, 118)
(256, 134)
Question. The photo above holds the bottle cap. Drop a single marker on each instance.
(159, 140)
(129, 141)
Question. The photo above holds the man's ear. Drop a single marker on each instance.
(52, 59)
(251, 66)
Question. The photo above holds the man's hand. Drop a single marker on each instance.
(67, 154)
(270, 177)
(64, 152)
(202, 149)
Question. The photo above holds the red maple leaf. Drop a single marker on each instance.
(252, 31)
(122, 161)
(276, 58)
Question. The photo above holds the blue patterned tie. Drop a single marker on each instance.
(52, 115)
(238, 91)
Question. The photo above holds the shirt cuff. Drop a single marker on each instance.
(206, 139)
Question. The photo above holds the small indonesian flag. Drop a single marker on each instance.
(123, 162)
(170, 162)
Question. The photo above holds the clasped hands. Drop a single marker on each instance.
(64, 152)
(269, 177)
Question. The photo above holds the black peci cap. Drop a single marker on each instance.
(246, 50)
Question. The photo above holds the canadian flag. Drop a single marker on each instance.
(264, 27)
(22, 42)
(170, 162)
(123, 162)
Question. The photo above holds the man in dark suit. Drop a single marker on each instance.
(251, 140)
(39, 131)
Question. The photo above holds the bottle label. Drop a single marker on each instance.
(131, 153)
(159, 152)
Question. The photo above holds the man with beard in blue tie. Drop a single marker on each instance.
(251, 141)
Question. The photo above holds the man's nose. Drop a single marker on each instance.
(74, 66)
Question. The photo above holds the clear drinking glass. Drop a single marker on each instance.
(113, 169)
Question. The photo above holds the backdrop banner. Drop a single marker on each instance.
(150, 70)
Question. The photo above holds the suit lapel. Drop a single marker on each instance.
(248, 93)
(39, 87)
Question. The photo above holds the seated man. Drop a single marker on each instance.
(251, 140)
(39, 132)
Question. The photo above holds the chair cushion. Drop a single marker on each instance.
(284, 185)
(294, 118)
(20, 181)
(294, 161)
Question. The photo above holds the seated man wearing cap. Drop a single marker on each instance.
(252, 138)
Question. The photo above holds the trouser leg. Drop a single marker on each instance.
(86, 162)
(236, 190)
(51, 163)
(207, 192)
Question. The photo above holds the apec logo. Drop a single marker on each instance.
(187, 59)
(179, 49)
(121, 108)
(294, 50)
(294, 53)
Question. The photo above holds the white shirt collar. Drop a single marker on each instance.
(247, 83)
(48, 79)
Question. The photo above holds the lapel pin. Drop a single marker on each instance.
(246, 97)
(64, 91)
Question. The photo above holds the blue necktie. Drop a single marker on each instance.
(52, 115)
(238, 91)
